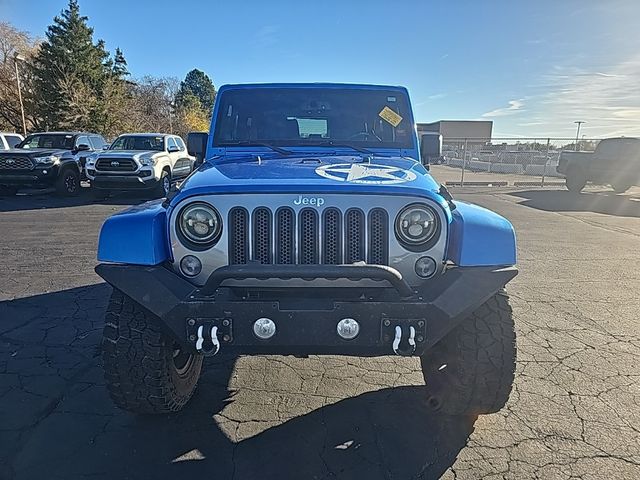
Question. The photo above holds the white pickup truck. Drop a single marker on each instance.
(615, 162)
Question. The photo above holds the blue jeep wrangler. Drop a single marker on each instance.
(312, 227)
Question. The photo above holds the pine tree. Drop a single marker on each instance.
(119, 64)
(199, 85)
(70, 72)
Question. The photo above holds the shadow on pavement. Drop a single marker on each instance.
(57, 421)
(608, 203)
(37, 200)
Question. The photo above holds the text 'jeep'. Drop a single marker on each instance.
(311, 228)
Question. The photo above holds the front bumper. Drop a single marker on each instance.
(140, 181)
(306, 318)
(38, 177)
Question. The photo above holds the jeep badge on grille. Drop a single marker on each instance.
(314, 201)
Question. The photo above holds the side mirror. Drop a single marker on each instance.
(173, 149)
(197, 145)
(430, 147)
(83, 147)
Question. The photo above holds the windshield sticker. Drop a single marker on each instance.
(390, 116)
(368, 174)
(391, 99)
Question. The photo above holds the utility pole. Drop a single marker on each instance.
(579, 122)
(17, 57)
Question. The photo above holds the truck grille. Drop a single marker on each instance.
(116, 165)
(308, 238)
(15, 163)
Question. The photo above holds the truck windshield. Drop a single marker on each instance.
(138, 142)
(314, 117)
(60, 141)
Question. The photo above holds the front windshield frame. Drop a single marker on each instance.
(224, 136)
(68, 144)
(115, 146)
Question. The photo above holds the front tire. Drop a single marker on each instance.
(575, 180)
(471, 370)
(145, 372)
(68, 183)
(164, 185)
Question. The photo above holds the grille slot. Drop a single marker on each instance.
(111, 164)
(309, 241)
(15, 163)
(378, 237)
(285, 236)
(354, 236)
(332, 237)
(238, 236)
(262, 235)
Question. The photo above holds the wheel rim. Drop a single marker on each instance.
(181, 360)
(70, 183)
(166, 184)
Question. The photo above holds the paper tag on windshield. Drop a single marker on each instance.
(390, 116)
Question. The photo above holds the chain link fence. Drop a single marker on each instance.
(526, 157)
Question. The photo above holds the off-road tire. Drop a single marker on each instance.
(68, 183)
(575, 180)
(620, 187)
(471, 370)
(138, 359)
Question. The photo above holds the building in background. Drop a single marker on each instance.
(476, 131)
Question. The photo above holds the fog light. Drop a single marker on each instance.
(264, 328)
(426, 267)
(190, 266)
(348, 328)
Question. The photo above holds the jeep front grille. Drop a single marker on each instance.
(111, 164)
(18, 162)
(308, 237)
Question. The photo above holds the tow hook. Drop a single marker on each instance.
(215, 344)
(411, 341)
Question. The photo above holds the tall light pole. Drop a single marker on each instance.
(17, 57)
(579, 122)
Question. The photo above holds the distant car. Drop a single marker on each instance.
(140, 161)
(9, 140)
(48, 159)
(615, 162)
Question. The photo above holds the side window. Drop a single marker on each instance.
(97, 142)
(12, 140)
(180, 144)
(82, 140)
(171, 143)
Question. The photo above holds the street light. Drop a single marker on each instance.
(579, 122)
(17, 57)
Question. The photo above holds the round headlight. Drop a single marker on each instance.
(416, 224)
(200, 223)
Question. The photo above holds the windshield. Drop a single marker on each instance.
(48, 140)
(314, 116)
(138, 142)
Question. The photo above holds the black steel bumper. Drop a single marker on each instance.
(306, 325)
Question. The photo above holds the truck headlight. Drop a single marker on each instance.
(416, 225)
(48, 160)
(200, 224)
(146, 161)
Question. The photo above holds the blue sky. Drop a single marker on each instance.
(532, 67)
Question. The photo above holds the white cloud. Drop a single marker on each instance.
(514, 107)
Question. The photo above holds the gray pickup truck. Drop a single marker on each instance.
(615, 162)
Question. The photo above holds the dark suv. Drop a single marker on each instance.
(50, 159)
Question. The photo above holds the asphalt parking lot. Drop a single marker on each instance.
(574, 411)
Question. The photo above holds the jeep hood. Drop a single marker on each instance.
(312, 174)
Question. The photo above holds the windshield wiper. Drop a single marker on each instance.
(281, 151)
(345, 145)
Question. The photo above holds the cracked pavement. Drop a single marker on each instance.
(574, 411)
